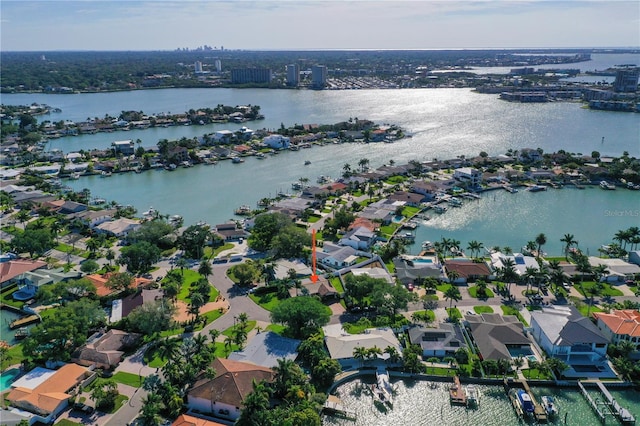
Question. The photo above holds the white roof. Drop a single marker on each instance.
(343, 345)
(379, 273)
(33, 378)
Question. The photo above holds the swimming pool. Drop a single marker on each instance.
(521, 351)
(7, 378)
(422, 260)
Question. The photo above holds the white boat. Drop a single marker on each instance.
(105, 174)
(473, 395)
(383, 391)
(606, 185)
(75, 176)
(243, 210)
(549, 405)
(455, 202)
(439, 209)
(427, 245)
(261, 156)
(537, 188)
(237, 160)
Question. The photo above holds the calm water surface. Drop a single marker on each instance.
(427, 403)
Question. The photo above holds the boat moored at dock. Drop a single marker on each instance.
(549, 405)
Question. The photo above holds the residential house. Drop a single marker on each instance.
(223, 136)
(495, 335)
(321, 287)
(336, 256)
(412, 199)
(105, 350)
(469, 176)
(359, 238)
(530, 155)
(192, 420)
(438, 342)
(372, 271)
(265, 349)
(277, 142)
(100, 281)
(620, 325)
(341, 345)
(283, 266)
(50, 393)
(178, 154)
(124, 147)
(617, 269)
(408, 271)
(119, 227)
(93, 218)
(521, 262)
(382, 210)
(224, 395)
(121, 308)
(230, 231)
(565, 334)
(14, 269)
(466, 270)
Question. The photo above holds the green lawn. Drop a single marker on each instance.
(67, 422)
(250, 326)
(410, 211)
(210, 253)
(473, 291)
(534, 373)
(120, 400)
(313, 219)
(13, 356)
(426, 315)
(443, 287)
(276, 328)
(188, 278)
(337, 284)
(388, 230)
(454, 314)
(268, 301)
(5, 297)
(128, 379)
(510, 310)
(483, 309)
(607, 289)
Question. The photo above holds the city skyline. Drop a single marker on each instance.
(288, 25)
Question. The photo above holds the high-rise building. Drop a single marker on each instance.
(318, 76)
(197, 67)
(626, 80)
(293, 75)
(250, 75)
(218, 64)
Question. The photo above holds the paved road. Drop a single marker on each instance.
(129, 411)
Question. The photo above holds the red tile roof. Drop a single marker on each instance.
(187, 420)
(622, 322)
(100, 282)
(13, 268)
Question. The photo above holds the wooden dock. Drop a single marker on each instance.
(334, 406)
(609, 406)
(24, 321)
(538, 410)
(457, 394)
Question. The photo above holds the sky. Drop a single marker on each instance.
(293, 24)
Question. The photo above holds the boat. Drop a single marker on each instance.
(537, 188)
(306, 163)
(261, 156)
(105, 174)
(524, 399)
(439, 209)
(606, 185)
(323, 179)
(410, 225)
(407, 236)
(74, 176)
(296, 186)
(21, 333)
(243, 210)
(455, 202)
(383, 391)
(427, 244)
(549, 405)
(237, 160)
(473, 396)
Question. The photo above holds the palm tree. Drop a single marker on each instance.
(474, 247)
(347, 170)
(451, 294)
(214, 334)
(285, 375)
(360, 353)
(182, 263)
(204, 268)
(393, 353)
(568, 241)
(168, 348)
(530, 275)
(363, 164)
(56, 227)
(622, 236)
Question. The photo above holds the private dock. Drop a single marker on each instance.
(538, 410)
(624, 416)
(457, 394)
(334, 406)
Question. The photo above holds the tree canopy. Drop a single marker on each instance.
(303, 315)
(139, 257)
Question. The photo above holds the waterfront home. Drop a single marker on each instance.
(617, 269)
(64, 207)
(265, 349)
(14, 269)
(620, 325)
(341, 345)
(126, 147)
(412, 270)
(31, 198)
(495, 335)
(412, 199)
(469, 176)
(382, 210)
(45, 393)
(277, 142)
(119, 227)
(121, 308)
(224, 395)
(230, 231)
(360, 238)
(427, 188)
(105, 350)
(521, 262)
(565, 334)
(439, 342)
(178, 154)
(292, 207)
(467, 270)
(93, 218)
(378, 272)
(29, 282)
(223, 136)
